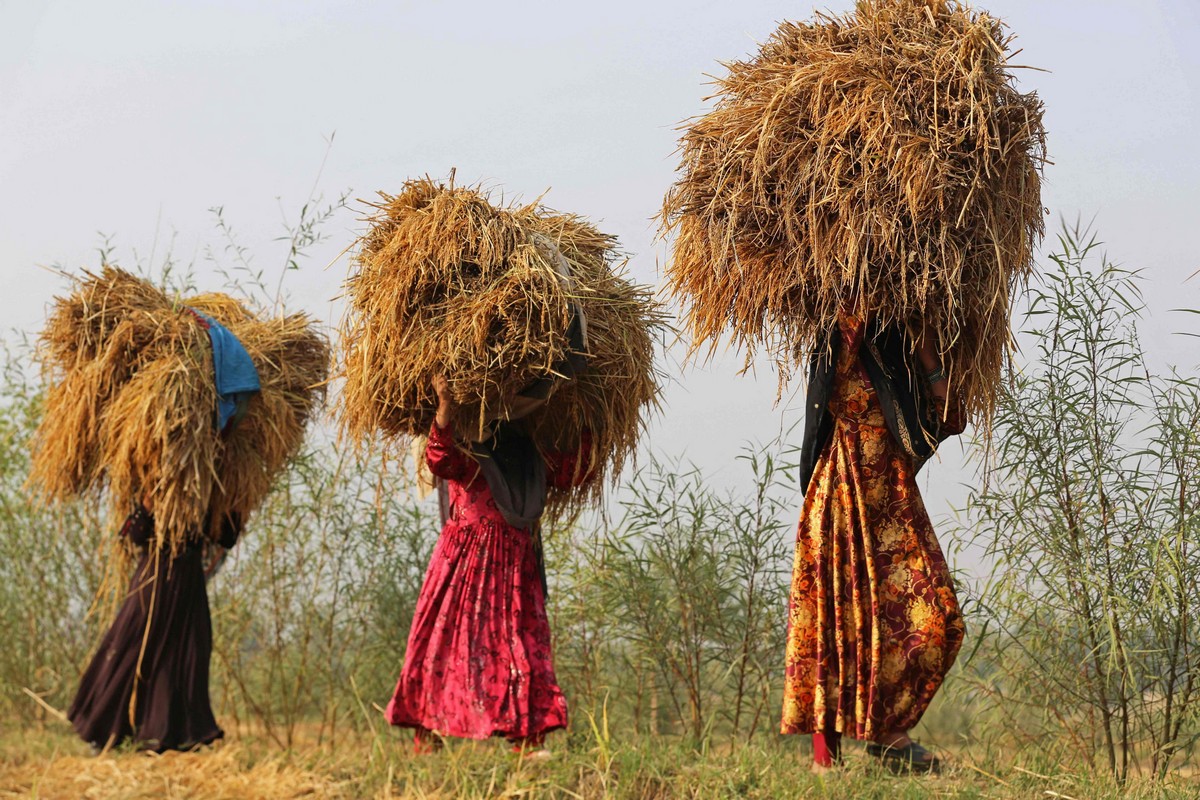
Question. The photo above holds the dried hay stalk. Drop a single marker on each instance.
(610, 397)
(883, 156)
(446, 283)
(231, 770)
(131, 406)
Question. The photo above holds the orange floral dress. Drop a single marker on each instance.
(873, 623)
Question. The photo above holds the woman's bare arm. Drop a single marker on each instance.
(445, 408)
(931, 365)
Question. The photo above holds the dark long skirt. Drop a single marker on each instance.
(164, 703)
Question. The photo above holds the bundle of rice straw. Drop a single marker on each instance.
(446, 283)
(131, 408)
(881, 157)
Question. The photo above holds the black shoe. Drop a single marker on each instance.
(909, 758)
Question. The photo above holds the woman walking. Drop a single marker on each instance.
(148, 682)
(478, 661)
(874, 625)
(810, 181)
(182, 411)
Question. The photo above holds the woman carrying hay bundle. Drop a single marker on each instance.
(866, 190)
(478, 661)
(149, 678)
(873, 624)
(509, 337)
(186, 411)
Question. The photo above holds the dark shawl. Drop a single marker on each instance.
(515, 473)
(887, 357)
(516, 476)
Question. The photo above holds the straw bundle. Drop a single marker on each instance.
(621, 381)
(446, 283)
(883, 157)
(132, 402)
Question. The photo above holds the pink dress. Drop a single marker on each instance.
(478, 661)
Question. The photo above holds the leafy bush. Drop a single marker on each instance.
(1090, 518)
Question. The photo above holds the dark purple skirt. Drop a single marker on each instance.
(164, 705)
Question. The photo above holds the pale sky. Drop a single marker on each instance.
(131, 118)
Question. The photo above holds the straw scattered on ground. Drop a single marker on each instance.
(225, 772)
(53, 765)
(882, 157)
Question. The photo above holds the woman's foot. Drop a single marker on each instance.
(426, 742)
(900, 754)
(531, 748)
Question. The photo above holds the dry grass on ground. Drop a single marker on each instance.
(52, 764)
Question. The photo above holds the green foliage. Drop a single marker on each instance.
(49, 573)
(311, 614)
(682, 604)
(1090, 518)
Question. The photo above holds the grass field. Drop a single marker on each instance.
(51, 763)
(669, 619)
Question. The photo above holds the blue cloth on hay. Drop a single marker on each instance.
(234, 370)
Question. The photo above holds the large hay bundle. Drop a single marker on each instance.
(620, 383)
(884, 157)
(446, 283)
(132, 402)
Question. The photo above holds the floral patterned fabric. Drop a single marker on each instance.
(874, 625)
(478, 662)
